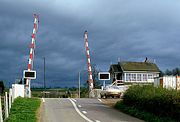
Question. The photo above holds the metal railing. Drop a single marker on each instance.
(118, 82)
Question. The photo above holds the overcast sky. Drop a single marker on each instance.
(126, 29)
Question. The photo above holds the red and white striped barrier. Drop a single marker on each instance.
(90, 78)
(31, 54)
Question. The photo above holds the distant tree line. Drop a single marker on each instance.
(174, 72)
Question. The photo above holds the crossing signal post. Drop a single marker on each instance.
(103, 76)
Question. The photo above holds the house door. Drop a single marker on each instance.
(161, 82)
(119, 76)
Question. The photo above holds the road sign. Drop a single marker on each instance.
(104, 76)
(29, 74)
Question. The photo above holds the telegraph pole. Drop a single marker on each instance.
(79, 84)
(44, 76)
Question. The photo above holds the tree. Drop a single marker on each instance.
(168, 72)
(2, 87)
(95, 72)
(161, 74)
(176, 71)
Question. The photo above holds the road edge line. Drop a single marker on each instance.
(78, 111)
(73, 99)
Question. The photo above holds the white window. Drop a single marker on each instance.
(139, 77)
(128, 77)
(156, 75)
(144, 77)
(150, 76)
(133, 77)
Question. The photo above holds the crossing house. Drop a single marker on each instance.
(134, 72)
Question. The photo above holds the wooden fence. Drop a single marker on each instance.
(5, 105)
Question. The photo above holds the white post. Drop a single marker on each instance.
(1, 118)
(29, 90)
(10, 98)
(13, 91)
(124, 77)
(6, 106)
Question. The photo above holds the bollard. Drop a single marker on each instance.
(1, 118)
(6, 106)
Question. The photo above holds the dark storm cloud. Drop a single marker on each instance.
(129, 30)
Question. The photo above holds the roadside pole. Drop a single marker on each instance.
(79, 84)
(44, 77)
(1, 118)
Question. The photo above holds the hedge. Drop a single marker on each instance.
(161, 102)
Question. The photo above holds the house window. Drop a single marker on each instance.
(150, 76)
(144, 77)
(128, 77)
(156, 75)
(133, 77)
(139, 77)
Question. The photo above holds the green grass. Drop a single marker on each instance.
(24, 110)
(151, 103)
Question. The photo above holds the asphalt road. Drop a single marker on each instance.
(81, 110)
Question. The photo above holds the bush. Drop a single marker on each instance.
(159, 101)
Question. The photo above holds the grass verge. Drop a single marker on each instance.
(24, 110)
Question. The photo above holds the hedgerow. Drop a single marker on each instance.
(158, 101)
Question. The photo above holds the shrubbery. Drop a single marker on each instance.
(159, 101)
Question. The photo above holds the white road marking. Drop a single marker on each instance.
(77, 110)
(97, 121)
(100, 100)
(79, 106)
(84, 112)
(43, 100)
(73, 99)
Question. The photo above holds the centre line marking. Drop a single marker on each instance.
(78, 111)
(79, 106)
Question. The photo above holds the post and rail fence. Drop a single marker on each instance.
(5, 105)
